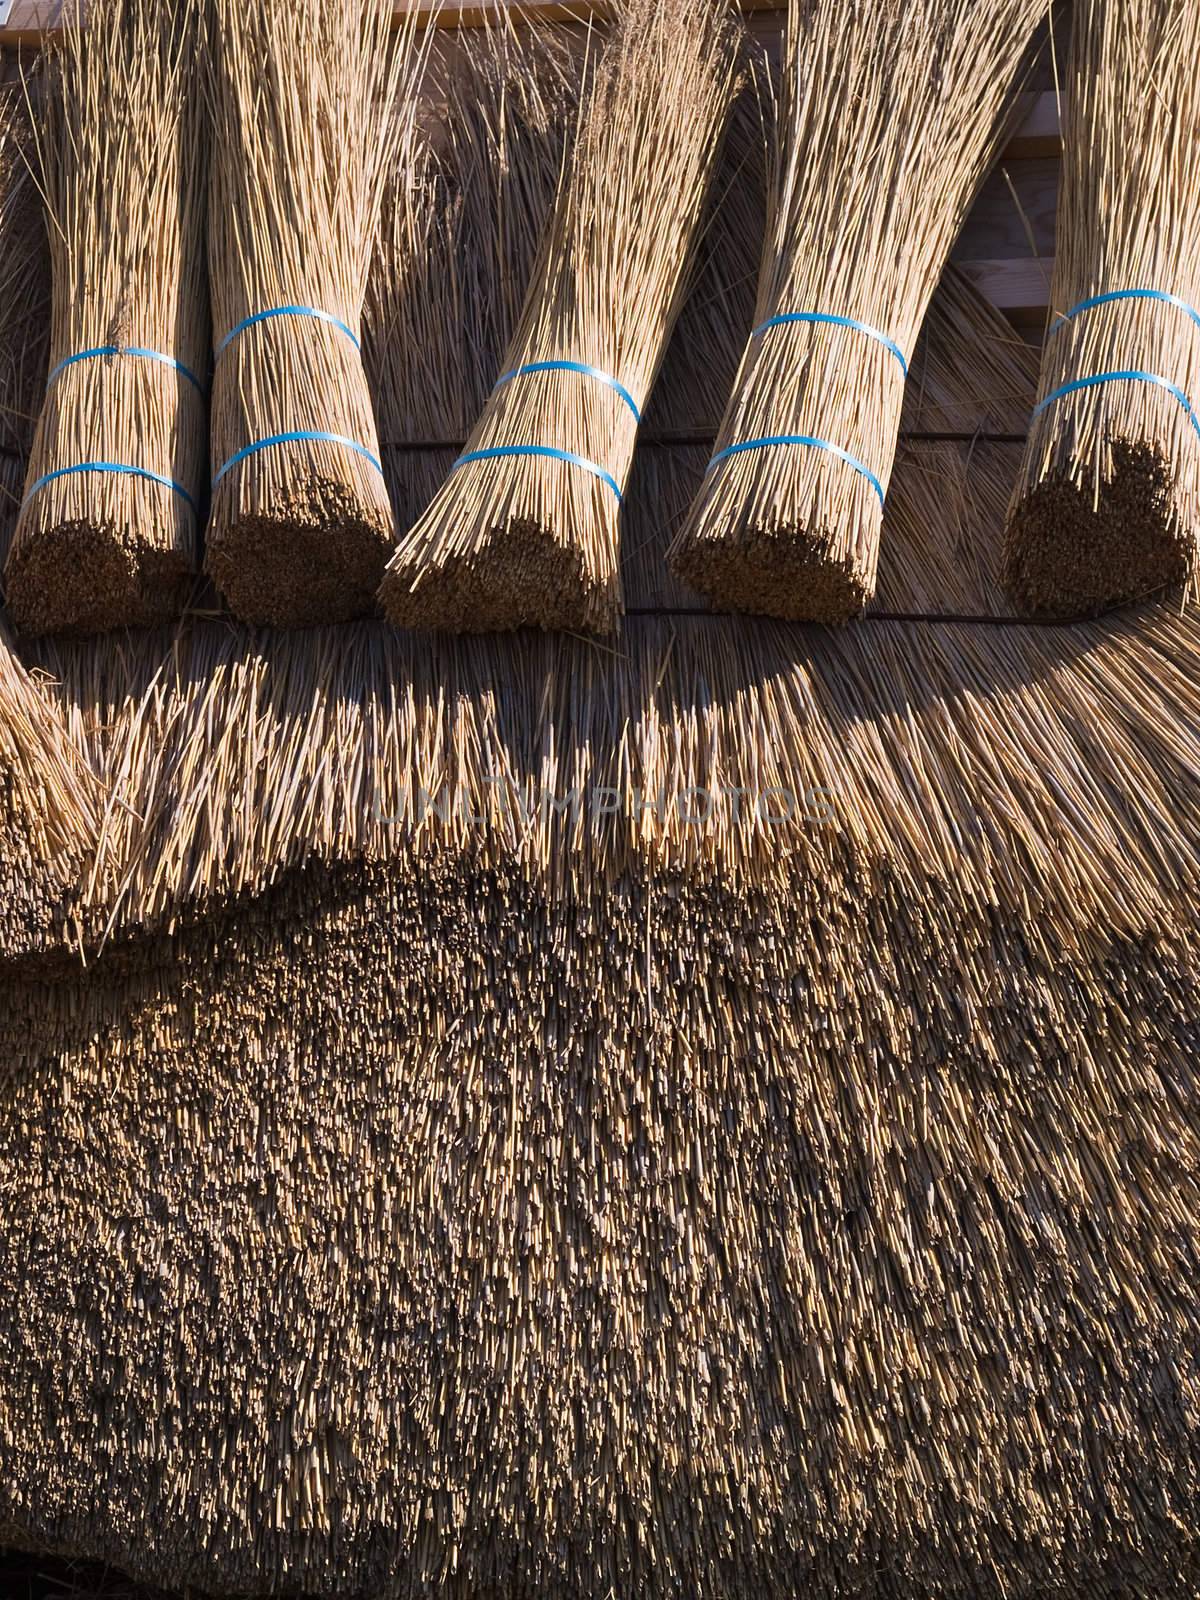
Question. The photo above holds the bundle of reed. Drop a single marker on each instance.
(891, 115)
(526, 530)
(462, 216)
(311, 103)
(107, 534)
(1108, 507)
(943, 523)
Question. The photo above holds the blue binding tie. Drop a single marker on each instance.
(111, 466)
(838, 322)
(801, 439)
(1121, 377)
(297, 438)
(500, 451)
(573, 366)
(1125, 294)
(288, 311)
(127, 350)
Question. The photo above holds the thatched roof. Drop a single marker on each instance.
(374, 1250)
(583, 1200)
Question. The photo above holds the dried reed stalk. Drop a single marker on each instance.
(24, 304)
(971, 373)
(311, 101)
(107, 535)
(1108, 507)
(50, 805)
(890, 118)
(526, 530)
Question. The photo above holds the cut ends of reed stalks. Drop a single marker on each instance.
(1078, 549)
(82, 576)
(532, 567)
(802, 568)
(301, 539)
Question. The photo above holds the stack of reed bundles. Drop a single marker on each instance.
(312, 101)
(107, 534)
(328, 739)
(872, 184)
(322, 705)
(1108, 506)
(526, 529)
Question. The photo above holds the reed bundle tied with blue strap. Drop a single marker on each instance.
(891, 115)
(309, 98)
(525, 531)
(107, 534)
(457, 245)
(1108, 506)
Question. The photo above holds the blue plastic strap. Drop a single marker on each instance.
(838, 322)
(297, 438)
(111, 466)
(498, 452)
(288, 311)
(573, 366)
(126, 350)
(1125, 294)
(803, 439)
(1118, 377)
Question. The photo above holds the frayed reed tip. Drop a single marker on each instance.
(317, 558)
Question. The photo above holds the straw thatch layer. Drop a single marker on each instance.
(1039, 773)
(49, 816)
(107, 532)
(709, 1115)
(796, 1272)
(1108, 505)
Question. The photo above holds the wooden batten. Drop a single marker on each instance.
(1021, 289)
